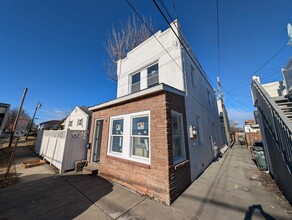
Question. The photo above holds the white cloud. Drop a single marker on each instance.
(239, 115)
(53, 114)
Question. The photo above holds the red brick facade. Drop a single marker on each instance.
(160, 180)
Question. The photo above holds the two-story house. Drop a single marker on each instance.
(158, 135)
(79, 119)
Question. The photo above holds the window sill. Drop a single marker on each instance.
(129, 162)
(181, 164)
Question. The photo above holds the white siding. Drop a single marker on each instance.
(75, 115)
(148, 53)
(176, 71)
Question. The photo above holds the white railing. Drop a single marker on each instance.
(277, 121)
(62, 148)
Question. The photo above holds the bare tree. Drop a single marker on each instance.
(23, 122)
(132, 32)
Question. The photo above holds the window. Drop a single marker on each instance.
(129, 137)
(70, 124)
(209, 98)
(140, 137)
(117, 136)
(178, 148)
(135, 83)
(192, 75)
(80, 122)
(152, 76)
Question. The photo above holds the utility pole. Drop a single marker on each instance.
(31, 123)
(224, 113)
(16, 119)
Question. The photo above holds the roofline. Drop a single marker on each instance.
(142, 93)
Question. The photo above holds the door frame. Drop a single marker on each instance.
(93, 136)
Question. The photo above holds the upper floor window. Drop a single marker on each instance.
(209, 98)
(70, 124)
(135, 82)
(152, 75)
(80, 122)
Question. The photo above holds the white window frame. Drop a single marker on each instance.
(157, 73)
(131, 80)
(131, 137)
(183, 146)
(70, 123)
(111, 135)
(127, 138)
(80, 122)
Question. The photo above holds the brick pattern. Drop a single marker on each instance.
(179, 175)
(160, 180)
(251, 137)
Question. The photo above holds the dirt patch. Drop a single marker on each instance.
(4, 160)
(269, 184)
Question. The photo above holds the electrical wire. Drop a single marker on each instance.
(279, 51)
(183, 45)
(218, 39)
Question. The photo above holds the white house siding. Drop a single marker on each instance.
(148, 53)
(201, 114)
(171, 72)
(275, 89)
(75, 115)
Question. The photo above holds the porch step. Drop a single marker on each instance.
(91, 169)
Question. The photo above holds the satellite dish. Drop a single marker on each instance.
(289, 28)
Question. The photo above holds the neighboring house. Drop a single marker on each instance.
(4, 112)
(79, 119)
(159, 134)
(50, 125)
(273, 102)
(252, 132)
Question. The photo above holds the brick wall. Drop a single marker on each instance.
(160, 180)
(179, 175)
(251, 137)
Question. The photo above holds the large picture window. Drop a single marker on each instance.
(129, 137)
(117, 136)
(140, 137)
(178, 146)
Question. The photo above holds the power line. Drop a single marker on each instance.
(153, 34)
(279, 51)
(190, 56)
(218, 39)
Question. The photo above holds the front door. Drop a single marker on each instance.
(97, 140)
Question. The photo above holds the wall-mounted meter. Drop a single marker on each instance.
(192, 132)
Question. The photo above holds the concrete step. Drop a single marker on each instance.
(280, 99)
(284, 104)
(91, 169)
(286, 107)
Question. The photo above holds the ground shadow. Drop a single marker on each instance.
(257, 209)
(65, 196)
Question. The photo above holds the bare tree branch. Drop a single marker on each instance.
(118, 43)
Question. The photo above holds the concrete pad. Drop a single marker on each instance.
(89, 184)
(226, 190)
(118, 201)
(149, 209)
(30, 204)
(79, 209)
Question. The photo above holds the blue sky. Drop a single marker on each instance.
(55, 48)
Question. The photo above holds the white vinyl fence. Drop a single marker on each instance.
(62, 148)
